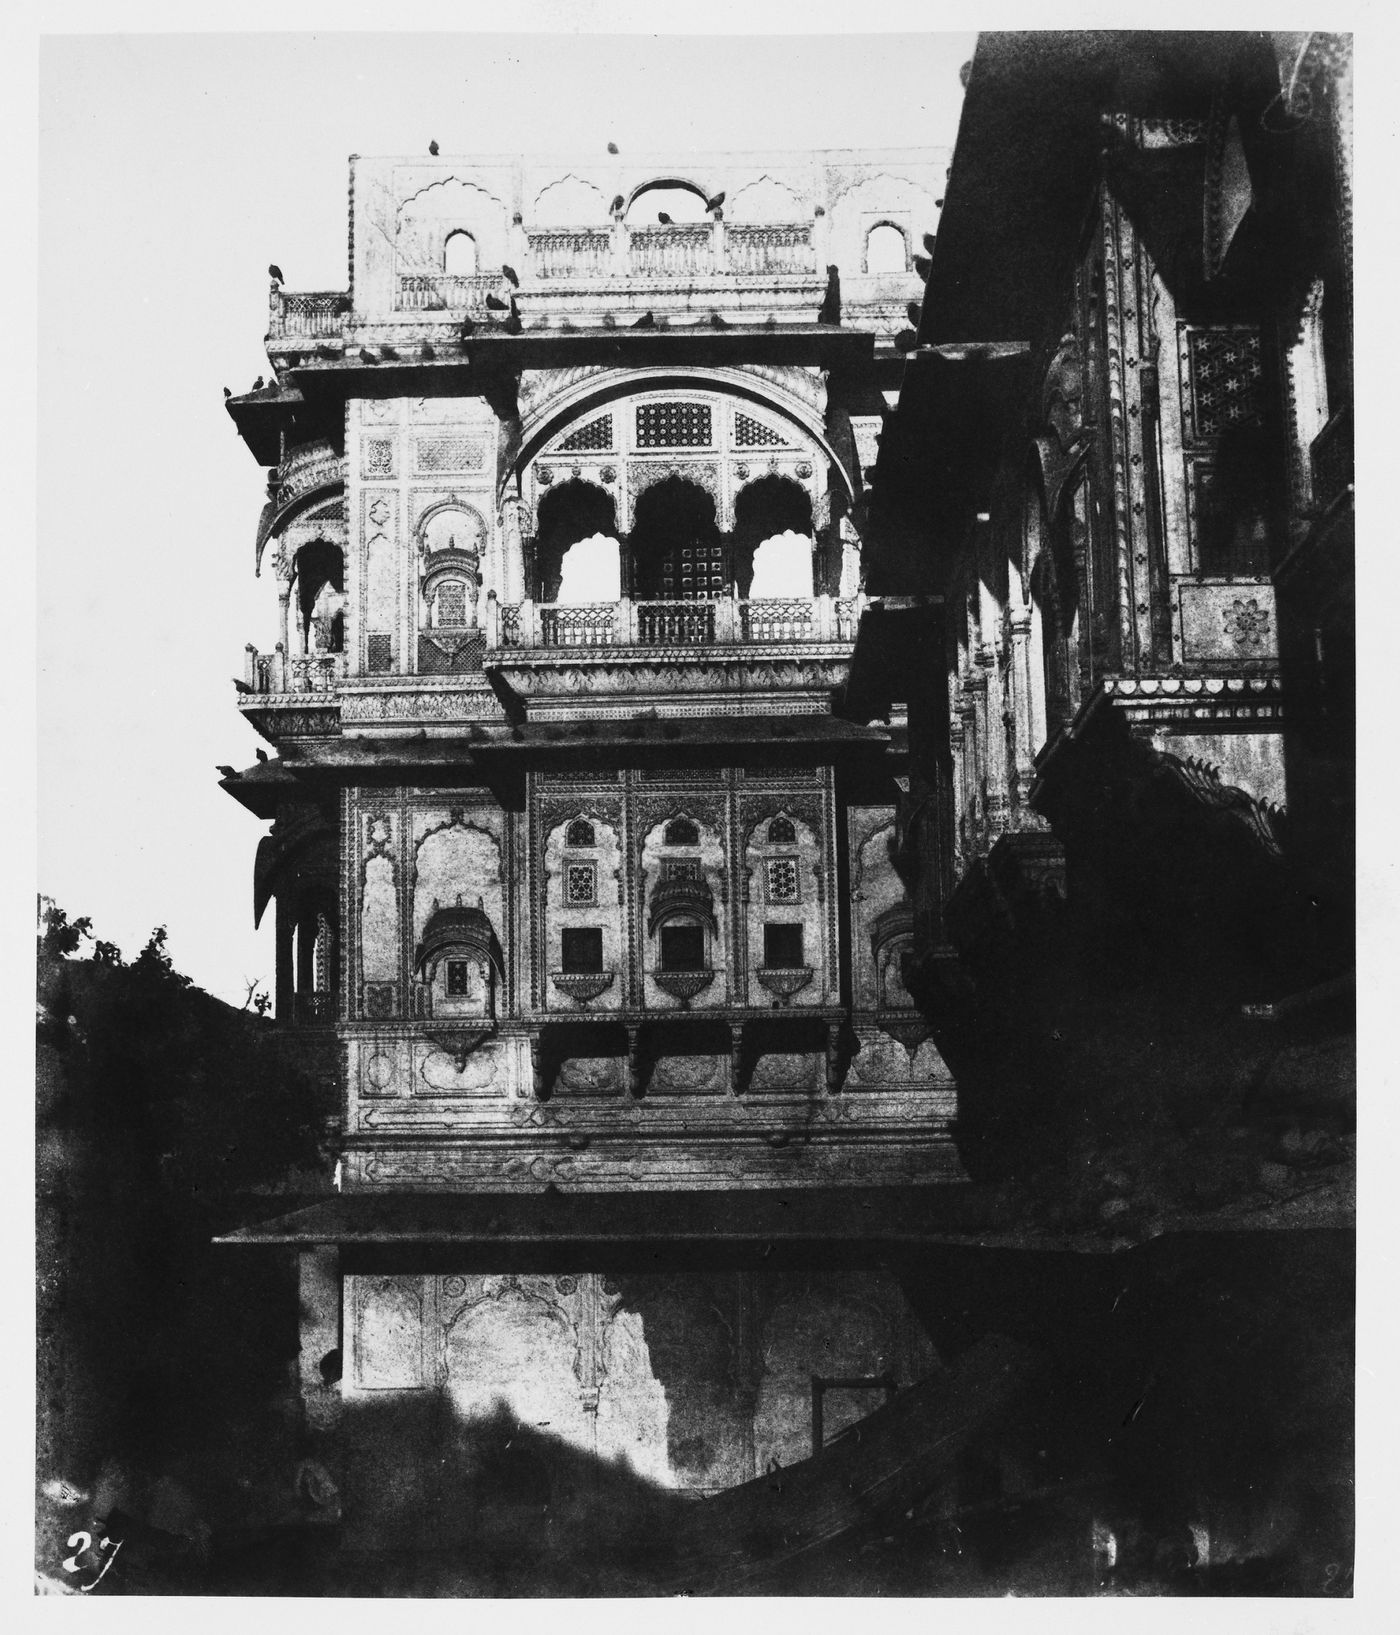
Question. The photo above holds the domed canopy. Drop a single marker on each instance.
(458, 928)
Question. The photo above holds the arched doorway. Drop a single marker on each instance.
(677, 553)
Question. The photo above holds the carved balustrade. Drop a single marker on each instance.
(307, 312)
(302, 673)
(784, 247)
(678, 251)
(627, 623)
(445, 292)
(570, 252)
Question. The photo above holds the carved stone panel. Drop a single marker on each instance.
(386, 1333)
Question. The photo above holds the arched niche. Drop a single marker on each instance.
(676, 551)
(683, 957)
(318, 580)
(569, 512)
(782, 858)
(583, 913)
(452, 541)
(773, 510)
(458, 963)
(764, 201)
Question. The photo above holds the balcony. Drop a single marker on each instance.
(445, 292)
(627, 623)
(276, 673)
(311, 313)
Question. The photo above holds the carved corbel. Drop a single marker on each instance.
(737, 1064)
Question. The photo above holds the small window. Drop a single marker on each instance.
(683, 947)
(782, 880)
(781, 832)
(579, 833)
(782, 947)
(580, 884)
(459, 255)
(459, 978)
(583, 948)
(886, 250)
(680, 868)
(682, 832)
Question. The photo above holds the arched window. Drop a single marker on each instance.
(781, 832)
(579, 833)
(459, 254)
(886, 249)
(682, 832)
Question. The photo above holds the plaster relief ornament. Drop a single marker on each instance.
(1247, 622)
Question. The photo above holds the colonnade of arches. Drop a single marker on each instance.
(676, 550)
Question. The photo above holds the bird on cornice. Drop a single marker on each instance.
(831, 302)
(433, 149)
(513, 325)
(495, 303)
(663, 218)
(226, 771)
(923, 266)
(262, 755)
(713, 204)
(510, 275)
(259, 383)
(615, 208)
(646, 321)
(612, 147)
(928, 242)
(915, 312)
(274, 271)
(468, 328)
(227, 393)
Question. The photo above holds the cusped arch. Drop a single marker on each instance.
(765, 200)
(569, 202)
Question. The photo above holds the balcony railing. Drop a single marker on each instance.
(672, 252)
(626, 623)
(308, 312)
(276, 673)
(445, 292)
(782, 248)
(570, 252)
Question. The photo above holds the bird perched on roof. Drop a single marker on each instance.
(468, 328)
(366, 356)
(716, 322)
(274, 271)
(510, 275)
(259, 383)
(612, 147)
(433, 149)
(714, 203)
(831, 302)
(262, 755)
(495, 303)
(929, 242)
(923, 266)
(513, 325)
(615, 208)
(227, 393)
(646, 321)
(226, 771)
(663, 218)
(426, 350)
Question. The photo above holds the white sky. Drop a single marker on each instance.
(172, 170)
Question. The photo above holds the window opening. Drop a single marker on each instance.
(582, 949)
(782, 880)
(459, 978)
(673, 425)
(579, 833)
(580, 884)
(682, 947)
(459, 255)
(886, 250)
(781, 832)
(682, 832)
(782, 947)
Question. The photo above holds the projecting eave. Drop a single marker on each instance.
(813, 1215)
(261, 788)
(475, 366)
